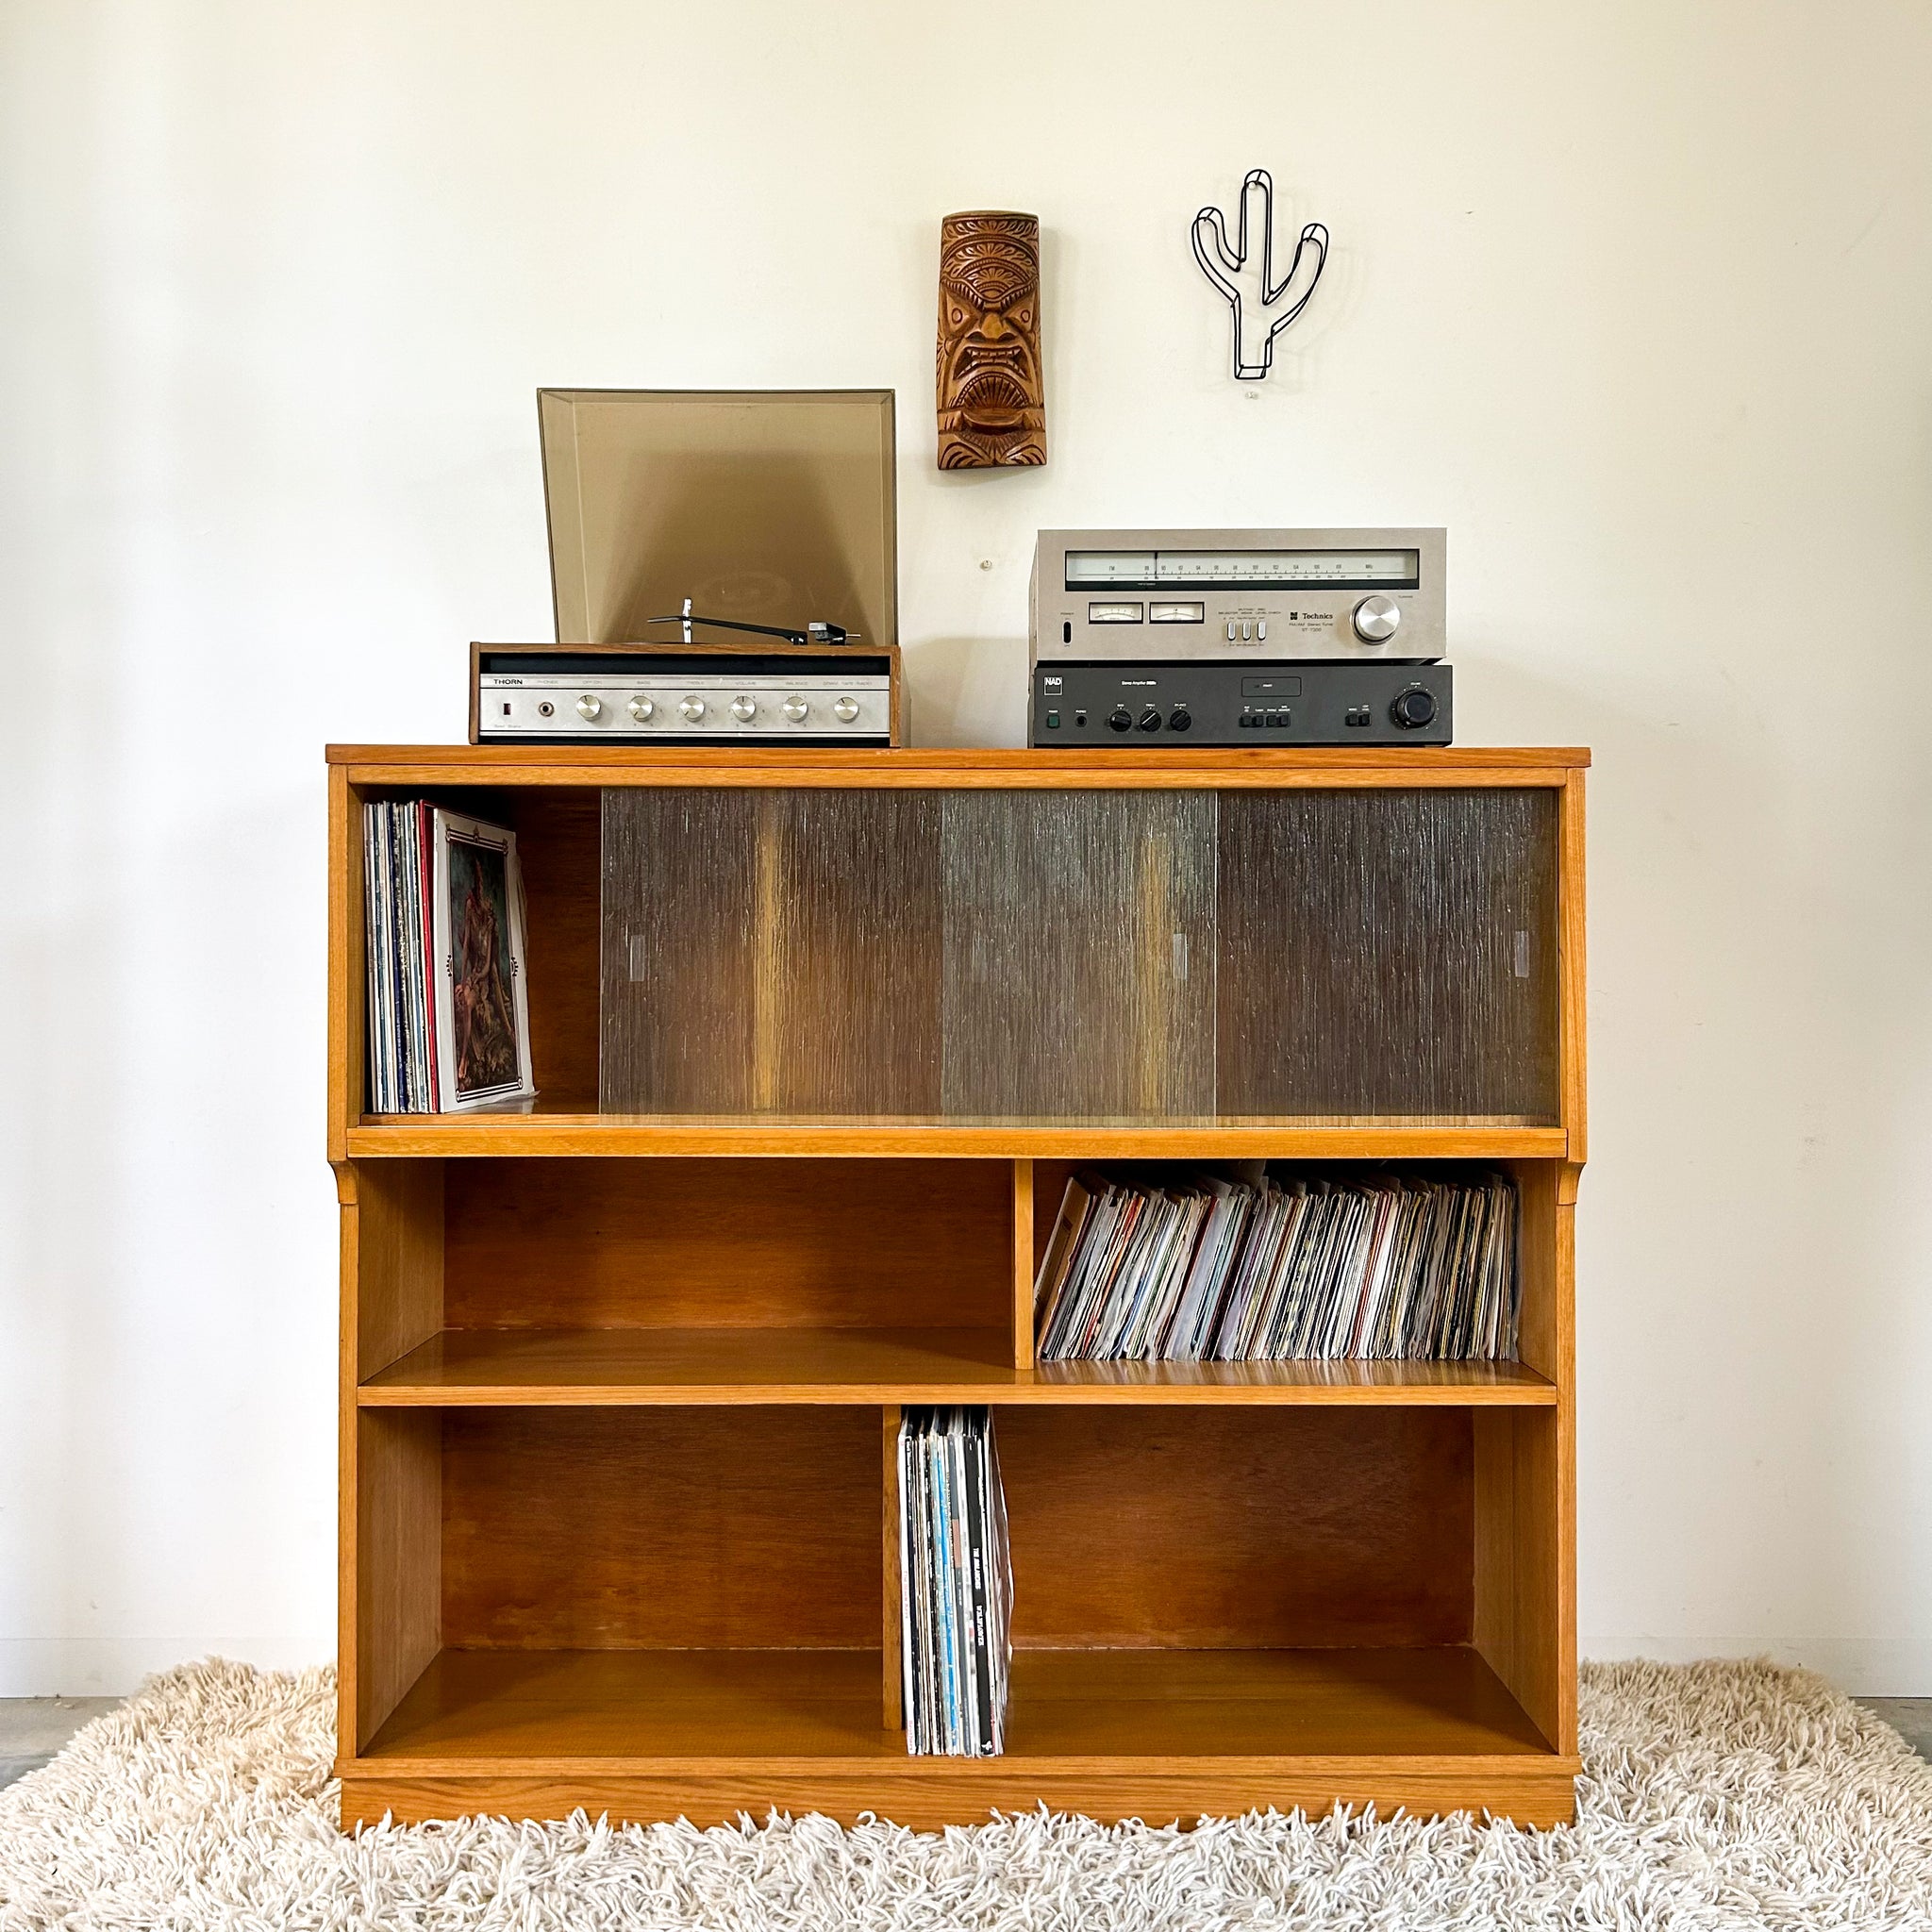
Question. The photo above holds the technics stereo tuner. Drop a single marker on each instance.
(1367, 596)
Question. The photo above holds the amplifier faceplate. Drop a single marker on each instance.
(1139, 706)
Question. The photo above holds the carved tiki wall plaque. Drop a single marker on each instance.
(991, 391)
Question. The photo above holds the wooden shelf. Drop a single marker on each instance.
(626, 1367)
(575, 1133)
(1114, 1733)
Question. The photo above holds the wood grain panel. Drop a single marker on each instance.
(572, 1135)
(575, 1368)
(891, 1659)
(398, 1626)
(686, 1705)
(559, 842)
(728, 1244)
(1214, 1527)
(399, 1259)
(1159, 1735)
(1023, 1264)
(1571, 927)
(1525, 1506)
(661, 1527)
(1529, 1791)
(513, 764)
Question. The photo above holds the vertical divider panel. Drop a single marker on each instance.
(391, 1471)
(1023, 1264)
(888, 1648)
(399, 1261)
(398, 1558)
(1525, 1611)
(1570, 927)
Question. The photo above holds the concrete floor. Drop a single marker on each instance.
(33, 1728)
(1910, 1717)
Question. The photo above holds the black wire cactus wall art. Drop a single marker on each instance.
(1261, 308)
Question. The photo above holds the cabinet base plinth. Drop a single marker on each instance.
(930, 1793)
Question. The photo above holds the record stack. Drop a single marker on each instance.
(397, 846)
(955, 1583)
(448, 1011)
(1381, 1267)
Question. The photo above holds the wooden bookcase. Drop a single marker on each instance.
(618, 1392)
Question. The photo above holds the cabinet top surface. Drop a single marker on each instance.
(1111, 766)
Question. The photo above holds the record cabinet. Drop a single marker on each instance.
(819, 1038)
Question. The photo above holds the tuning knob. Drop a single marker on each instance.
(692, 709)
(796, 709)
(844, 709)
(642, 710)
(1413, 708)
(589, 707)
(1376, 619)
(743, 708)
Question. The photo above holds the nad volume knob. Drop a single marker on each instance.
(795, 709)
(642, 710)
(1413, 708)
(1376, 619)
(588, 706)
(844, 709)
(743, 708)
(691, 708)
(1120, 719)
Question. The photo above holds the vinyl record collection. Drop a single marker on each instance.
(448, 1025)
(955, 1583)
(1375, 1266)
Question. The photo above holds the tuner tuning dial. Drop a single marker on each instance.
(1377, 619)
(743, 708)
(692, 709)
(796, 709)
(642, 710)
(1412, 708)
(844, 709)
(589, 707)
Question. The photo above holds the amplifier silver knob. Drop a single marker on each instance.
(743, 708)
(692, 709)
(1376, 619)
(844, 709)
(642, 710)
(796, 708)
(589, 707)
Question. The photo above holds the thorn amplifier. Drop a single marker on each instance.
(1192, 701)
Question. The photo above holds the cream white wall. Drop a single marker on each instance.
(1637, 298)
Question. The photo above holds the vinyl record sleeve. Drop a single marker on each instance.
(482, 1024)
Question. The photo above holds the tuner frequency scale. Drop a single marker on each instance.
(1240, 638)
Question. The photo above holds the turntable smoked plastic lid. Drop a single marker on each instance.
(765, 506)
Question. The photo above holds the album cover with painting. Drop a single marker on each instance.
(482, 1000)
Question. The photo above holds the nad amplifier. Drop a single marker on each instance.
(1197, 702)
(1367, 596)
(809, 695)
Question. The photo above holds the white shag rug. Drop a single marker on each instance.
(1713, 1795)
